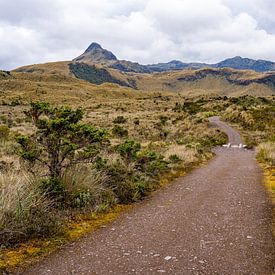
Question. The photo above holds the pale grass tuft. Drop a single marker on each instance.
(187, 155)
(23, 209)
(81, 177)
(87, 186)
(266, 153)
(18, 194)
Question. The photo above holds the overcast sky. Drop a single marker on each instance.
(146, 31)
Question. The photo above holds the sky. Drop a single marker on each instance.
(144, 31)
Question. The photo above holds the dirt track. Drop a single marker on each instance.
(216, 220)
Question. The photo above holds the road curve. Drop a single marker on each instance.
(215, 220)
(234, 138)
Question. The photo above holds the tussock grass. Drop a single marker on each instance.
(24, 211)
(185, 154)
(87, 187)
(266, 153)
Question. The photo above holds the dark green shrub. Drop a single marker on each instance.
(174, 158)
(151, 163)
(4, 132)
(54, 188)
(128, 149)
(61, 139)
(81, 199)
(163, 119)
(136, 121)
(120, 120)
(119, 131)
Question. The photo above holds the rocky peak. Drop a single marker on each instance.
(96, 54)
(94, 46)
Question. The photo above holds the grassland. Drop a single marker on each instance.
(189, 82)
(171, 128)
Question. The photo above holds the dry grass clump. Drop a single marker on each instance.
(24, 211)
(185, 154)
(266, 153)
(86, 187)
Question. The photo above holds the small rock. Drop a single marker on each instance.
(249, 237)
(161, 271)
(201, 262)
(167, 258)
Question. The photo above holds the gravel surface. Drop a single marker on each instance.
(215, 220)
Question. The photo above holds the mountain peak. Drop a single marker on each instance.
(96, 54)
(94, 46)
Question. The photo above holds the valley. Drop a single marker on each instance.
(126, 135)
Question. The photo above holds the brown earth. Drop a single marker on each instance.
(216, 220)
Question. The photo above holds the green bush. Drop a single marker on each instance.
(4, 132)
(54, 188)
(119, 131)
(151, 163)
(61, 139)
(120, 120)
(128, 149)
(163, 119)
(136, 121)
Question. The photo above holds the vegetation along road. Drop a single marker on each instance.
(216, 220)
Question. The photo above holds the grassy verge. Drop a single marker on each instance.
(266, 158)
(24, 254)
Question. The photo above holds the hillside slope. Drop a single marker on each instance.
(189, 82)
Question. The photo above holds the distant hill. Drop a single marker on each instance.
(231, 77)
(96, 54)
(240, 63)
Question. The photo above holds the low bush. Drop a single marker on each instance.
(4, 132)
(120, 120)
(129, 149)
(119, 131)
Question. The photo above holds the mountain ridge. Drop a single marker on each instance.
(96, 54)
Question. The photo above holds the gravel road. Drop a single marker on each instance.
(215, 220)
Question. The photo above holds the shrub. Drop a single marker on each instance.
(120, 180)
(136, 121)
(60, 140)
(54, 188)
(4, 132)
(151, 163)
(120, 120)
(119, 131)
(174, 158)
(128, 149)
(163, 119)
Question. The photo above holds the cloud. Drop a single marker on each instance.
(146, 31)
